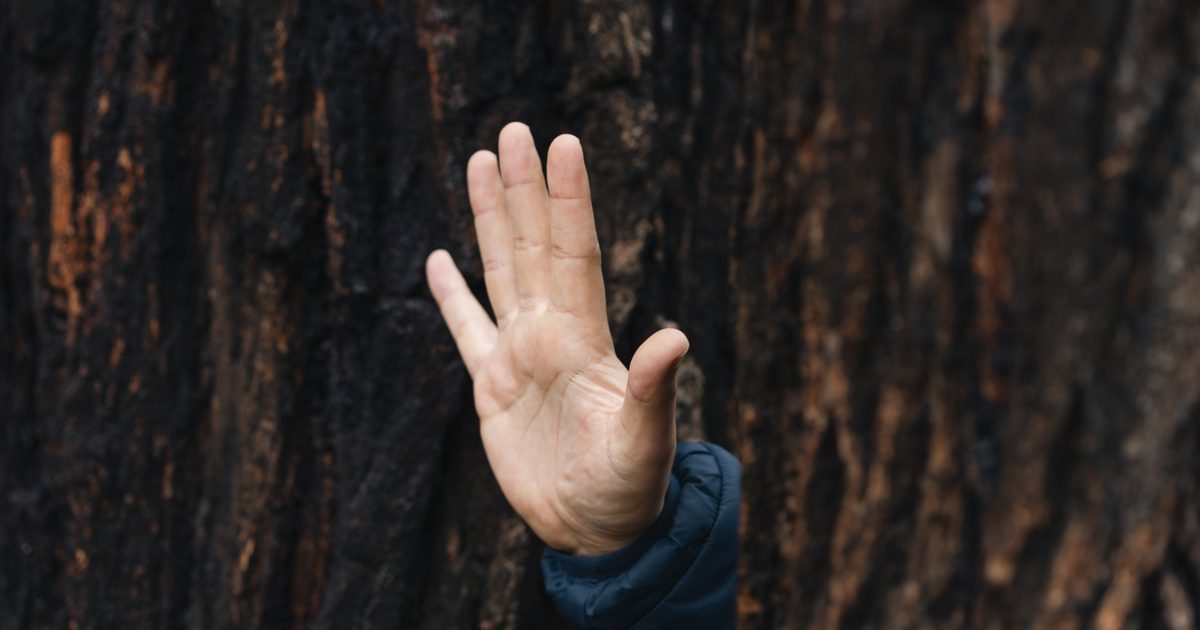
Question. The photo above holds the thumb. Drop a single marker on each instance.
(648, 413)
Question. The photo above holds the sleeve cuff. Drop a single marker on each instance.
(681, 568)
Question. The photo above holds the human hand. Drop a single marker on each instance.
(582, 448)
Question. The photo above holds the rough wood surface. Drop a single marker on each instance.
(939, 262)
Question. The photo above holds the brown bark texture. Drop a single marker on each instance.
(939, 263)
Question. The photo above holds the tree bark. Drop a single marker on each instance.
(939, 263)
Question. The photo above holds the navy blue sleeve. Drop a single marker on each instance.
(680, 573)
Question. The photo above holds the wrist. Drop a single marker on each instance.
(590, 543)
(595, 541)
(601, 549)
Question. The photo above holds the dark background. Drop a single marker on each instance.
(939, 263)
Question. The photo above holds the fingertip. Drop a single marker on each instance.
(682, 343)
(565, 171)
(483, 180)
(436, 264)
(481, 161)
(519, 159)
(513, 135)
(565, 150)
(436, 257)
(652, 370)
(673, 342)
(566, 142)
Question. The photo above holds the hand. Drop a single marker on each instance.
(582, 447)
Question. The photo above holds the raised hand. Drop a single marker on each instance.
(581, 447)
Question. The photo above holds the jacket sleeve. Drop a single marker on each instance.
(680, 573)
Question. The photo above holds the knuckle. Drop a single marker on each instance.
(524, 242)
(494, 263)
(482, 209)
(521, 182)
(591, 253)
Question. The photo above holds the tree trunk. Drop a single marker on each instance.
(939, 263)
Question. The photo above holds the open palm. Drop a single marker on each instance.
(581, 447)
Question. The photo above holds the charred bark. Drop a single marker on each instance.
(939, 262)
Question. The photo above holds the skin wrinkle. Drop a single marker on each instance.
(527, 243)
(579, 312)
(561, 253)
(495, 264)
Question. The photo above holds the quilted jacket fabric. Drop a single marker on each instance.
(680, 573)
